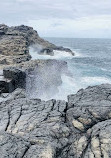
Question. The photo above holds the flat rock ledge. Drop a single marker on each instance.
(79, 128)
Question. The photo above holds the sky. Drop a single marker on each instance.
(60, 18)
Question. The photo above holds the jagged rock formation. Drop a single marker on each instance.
(32, 128)
(15, 42)
(79, 128)
(14, 56)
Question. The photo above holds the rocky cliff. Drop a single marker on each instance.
(33, 128)
(79, 128)
(15, 42)
(16, 61)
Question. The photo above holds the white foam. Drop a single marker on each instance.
(70, 84)
(107, 70)
(77, 54)
(57, 55)
(62, 54)
(95, 80)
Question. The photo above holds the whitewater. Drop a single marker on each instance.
(90, 66)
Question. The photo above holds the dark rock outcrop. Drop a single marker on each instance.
(79, 128)
(12, 78)
(17, 76)
(14, 55)
(38, 77)
(47, 51)
(6, 86)
(30, 127)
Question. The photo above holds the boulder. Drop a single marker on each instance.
(6, 86)
(17, 76)
(66, 50)
(46, 51)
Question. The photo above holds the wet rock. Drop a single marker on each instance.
(66, 50)
(47, 52)
(11, 79)
(38, 77)
(6, 86)
(18, 76)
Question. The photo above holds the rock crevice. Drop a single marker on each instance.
(56, 129)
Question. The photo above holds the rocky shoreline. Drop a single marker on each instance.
(79, 128)
(33, 128)
(15, 58)
(15, 43)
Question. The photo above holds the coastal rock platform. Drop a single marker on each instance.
(34, 128)
(79, 128)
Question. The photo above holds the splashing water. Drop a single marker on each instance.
(90, 65)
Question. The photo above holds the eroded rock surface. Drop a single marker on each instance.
(79, 128)
(15, 43)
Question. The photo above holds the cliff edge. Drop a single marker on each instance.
(15, 43)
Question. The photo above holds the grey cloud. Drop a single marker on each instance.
(13, 11)
(56, 24)
(37, 13)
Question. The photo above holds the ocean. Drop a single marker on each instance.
(90, 66)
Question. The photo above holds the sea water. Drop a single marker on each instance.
(90, 66)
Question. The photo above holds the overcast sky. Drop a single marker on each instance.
(60, 18)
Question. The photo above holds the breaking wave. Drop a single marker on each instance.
(90, 66)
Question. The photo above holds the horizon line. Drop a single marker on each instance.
(78, 37)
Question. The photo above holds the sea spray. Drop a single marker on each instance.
(44, 80)
(90, 65)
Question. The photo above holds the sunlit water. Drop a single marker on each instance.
(90, 66)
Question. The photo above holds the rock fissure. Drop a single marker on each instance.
(30, 127)
(8, 122)
(26, 150)
(20, 114)
(47, 127)
(86, 148)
